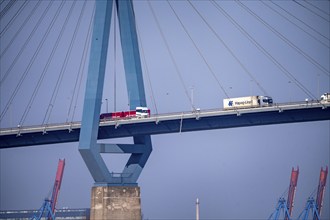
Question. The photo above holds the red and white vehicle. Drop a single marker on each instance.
(139, 112)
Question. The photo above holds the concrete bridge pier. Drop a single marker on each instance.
(115, 203)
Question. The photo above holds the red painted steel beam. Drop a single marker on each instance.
(292, 190)
(321, 189)
(57, 184)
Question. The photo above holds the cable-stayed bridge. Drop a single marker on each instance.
(241, 51)
(219, 65)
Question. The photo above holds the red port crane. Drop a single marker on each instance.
(292, 190)
(321, 190)
(284, 206)
(48, 208)
(313, 206)
(57, 184)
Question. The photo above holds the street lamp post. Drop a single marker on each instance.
(318, 85)
(192, 97)
(290, 98)
(106, 100)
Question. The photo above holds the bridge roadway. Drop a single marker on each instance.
(168, 123)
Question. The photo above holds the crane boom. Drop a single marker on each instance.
(292, 190)
(47, 210)
(283, 205)
(315, 206)
(321, 189)
(57, 184)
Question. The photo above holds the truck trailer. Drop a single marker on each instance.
(139, 112)
(247, 102)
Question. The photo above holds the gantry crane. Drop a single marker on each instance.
(47, 210)
(283, 205)
(312, 205)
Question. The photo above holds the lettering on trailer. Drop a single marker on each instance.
(243, 102)
(246, 102)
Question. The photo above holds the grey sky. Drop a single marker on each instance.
(237, 173)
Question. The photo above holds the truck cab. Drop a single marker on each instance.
(325, 98)
(142, 112)
(266, 101)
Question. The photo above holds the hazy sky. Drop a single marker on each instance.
(236, 173)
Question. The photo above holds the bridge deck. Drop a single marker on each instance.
(168, 123)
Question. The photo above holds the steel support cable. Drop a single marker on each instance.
(31, 61)
(20, 28)
(115, 58)
(199, 52)
(13, 18)
(308, 9)
(59, 80)
(286, 40)
(286, 18)
(7, 7)
(313, 193)
(171, 56)
(301, 21)
(320, 9)
(229, 50)
(75, 33)
(144, 60)
(41, 78)
(267, 54)
(83, 62)
(26, 42)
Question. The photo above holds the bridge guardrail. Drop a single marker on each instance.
(163, 116)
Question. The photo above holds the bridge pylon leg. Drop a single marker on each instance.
(114, 196)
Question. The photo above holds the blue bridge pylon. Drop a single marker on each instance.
(89, 148)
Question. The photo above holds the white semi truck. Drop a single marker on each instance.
(247, 102)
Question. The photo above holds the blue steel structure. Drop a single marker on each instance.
(310, 207)
(281, 207)
(89, 148)
(45, 211)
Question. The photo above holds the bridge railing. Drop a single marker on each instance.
(163, 116)
(48, 127)
(308, 103)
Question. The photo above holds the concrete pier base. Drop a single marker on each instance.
(115, 203)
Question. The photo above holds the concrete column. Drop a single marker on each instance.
(115, 203)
